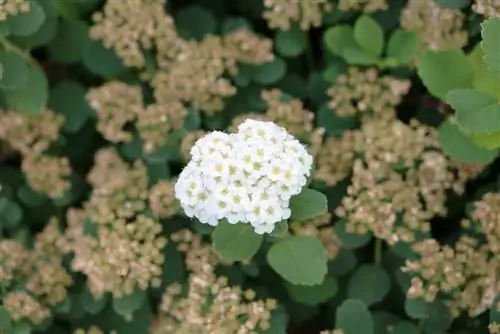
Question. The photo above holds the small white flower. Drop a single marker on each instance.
(246, 177)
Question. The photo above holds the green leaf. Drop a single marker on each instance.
(484, 80)
(417, 308)
(68, 98)
(403, 45)
(25, 24)
(271, 72)
(300, 260)
(338, 38)
(193, 119)
(11, 213)
(313, 295)
(475, 112)
(495, 310)
(101, 61)
(32, 97)
(355, 55)
(334, 125)
(291, 42)
(235, 242)
(92, 305)
(369, 283)
(490, 32)
(66, 8)
(280, 229)
(279, 322)
(438, 71)
(204, 19)
(308, 204)
(128, 304)
(71, 42)
(490, 141)
(350, 240)
(405, 327)
(439, 319)
(369, 35)
(15, 70)
(456, 145)
(353, 317)
(234, 23)
(344, 263)
(384, 322)
(5, 321)
(452, 4)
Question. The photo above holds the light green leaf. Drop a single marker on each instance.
(5, 321)
(25, 24)
(438, 71)
(128, 304)
(350, 240)
(461, 148)
(15, 70)
(291, 42)
(101, 61)
(204, 19)
(337, 38)
(280, 229)
(271, 72)
(476, 112)
(405, 327)
(490, 33)
(490, 141)
(403, 46)
(71, 42)
(355, 55)
(313, 295)
(484, 80)
(369, 283)
(353, 317)
(235, 242)
(308, 204)
(300, 260)
(68, 98)
(369, 35)
(32, 97)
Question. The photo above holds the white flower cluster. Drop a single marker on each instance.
(248, 176)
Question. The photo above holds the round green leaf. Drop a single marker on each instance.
(101, 61)
(291, 42)
(337, 38)
(350, 240)
(30, 197)
(356, 55)
(5, 321)
(193, 120)
(308, 204)
(439, 319)
(495, 311)
(484, 80)
(299, 260)
(279, 322)
(15, 70)
(235, 242)
(353, 317)
(384, 322)
(71, 42)
(490, 32)
(369, 283)
(280, 229)
(271, 72)
(25, 24)
(11, 213)
(32, 97)
(405, 327)
(334, 125)
(403, 45)
(344, 262)
(417, 308)
(438, 71)
(68, 98)
(204, 19)
(461, 148)
(452, 4)
(313, 295)
(369, 35)
(128, 304)
(92, 305)
(234, 23)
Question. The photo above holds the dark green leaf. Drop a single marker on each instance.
(439, 319)
(353, 317)
(5, 321)
(90, 304)
(313, 295)
(384, 322)
(271, 72)
(11, 213)
(128, 304)
(299, 260)
(405, 327)
(308, 204)
(344, 262)
(350, 240)
(101, 61)
(71, 42)
(15, 70)
(27, 23)
(417, 308)
(193, 120)
(235, 242)
(204, 19)
(369, 283)
(495, 310)
(291, 42)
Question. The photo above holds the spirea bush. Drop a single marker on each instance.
(249, 166)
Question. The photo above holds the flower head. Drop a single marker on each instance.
(248, 176)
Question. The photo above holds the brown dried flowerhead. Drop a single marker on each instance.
(488, 8)
(188, 142)
(162, 199)
(12, 8)
(47, 175)
(21, 306)
(335, 159)
(367, 6)
(281, 14)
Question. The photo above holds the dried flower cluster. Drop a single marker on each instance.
(367, 6)
(45, 280)
(321, 228)
(439, 28)
(335, 159)
(494, 328)
(188, 142)
(32, 136)
(13, 7)
(399, 183)
(90, 330)
(281, 14)
(210, 304)
(367, 93)
(488, 8)
(487, 213)
(162, 199)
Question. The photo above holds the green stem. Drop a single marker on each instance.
(421, 329)
(378, 251)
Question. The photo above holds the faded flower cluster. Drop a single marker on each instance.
(488, 8)
(247, 177)
(366, 6)
(281, 14)
(13, 7)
